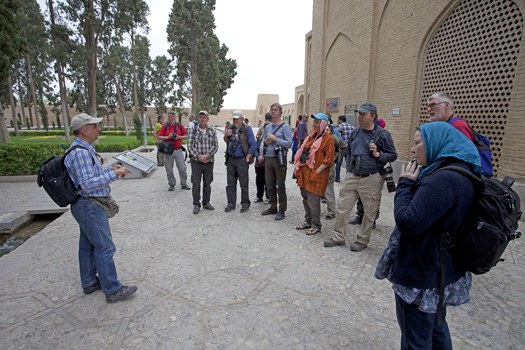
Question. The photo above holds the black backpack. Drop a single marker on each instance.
(53, 176)
(491, 225)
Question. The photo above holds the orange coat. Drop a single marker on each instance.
(307, 178)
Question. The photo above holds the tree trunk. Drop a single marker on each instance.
(91, 45)
(29, 102)
(13, 105)
(33, 93)
(121, 105)
(134, 74)
(4, 134)
(21, 95)
(61, 82)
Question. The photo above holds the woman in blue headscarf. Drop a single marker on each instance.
(428, 203)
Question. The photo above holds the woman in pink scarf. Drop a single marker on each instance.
(312, 167)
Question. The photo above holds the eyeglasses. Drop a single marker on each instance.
(434, 104)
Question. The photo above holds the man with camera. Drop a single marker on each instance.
(240, 150)
(370, 148)
(174, 132)
(277, 142)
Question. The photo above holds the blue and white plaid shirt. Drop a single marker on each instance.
(86, 171)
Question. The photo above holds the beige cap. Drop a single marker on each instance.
(236, 114)
(83, 119)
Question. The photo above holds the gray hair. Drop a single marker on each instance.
(442, 97)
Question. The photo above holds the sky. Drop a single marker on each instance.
(265, 37)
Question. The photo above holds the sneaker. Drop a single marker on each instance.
(333, 243)
(196, 209)
(93, 288)
(269, 211)
(266, 201)
(185, 187)
(258, 200)
(357, 246)
(228, 209)
(208, 206)
(121, 294)
(356, 221)
(171, 189)
(280, 215)
(244, 209)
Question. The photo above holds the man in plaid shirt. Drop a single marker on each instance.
(345, 130)
(202, 145)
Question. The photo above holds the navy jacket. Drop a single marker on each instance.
(423, 210)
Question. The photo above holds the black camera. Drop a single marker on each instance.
(281, 157)
(304, 157)
(389, 178)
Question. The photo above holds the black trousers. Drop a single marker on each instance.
(237, 168)
(200, 171)
(260, 181)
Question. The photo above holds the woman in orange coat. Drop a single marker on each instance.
(312, 167)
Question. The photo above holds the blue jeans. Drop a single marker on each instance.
(421, 330)
(95, 246)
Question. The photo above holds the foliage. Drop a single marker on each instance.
(203, 73)
(138, 127)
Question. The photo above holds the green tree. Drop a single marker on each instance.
(203, 72)
(160, 82)
(13, 47)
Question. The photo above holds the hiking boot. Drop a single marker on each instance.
(171, 188)
(357, 246)
(228, 209)
(244, 209)
(121, 294)
(356, 221)
(333, 243)
(93, 288)
(280, 215)
(185, 187)
(208, 206)
(196, 209)
(269, 211)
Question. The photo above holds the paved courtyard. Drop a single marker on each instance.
(225, 280)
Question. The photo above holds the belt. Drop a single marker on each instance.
(364, 175)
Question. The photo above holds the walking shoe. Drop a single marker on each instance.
(121, 294)
(258, 200)
(332, 243)
(196, 209)
(228, 209)
(266, 201)
(208, 206)
(244, 209)
(93, 288)
(269, 211)
(172, 188)
(356, 221)
(185, 187)
(357, 246)
(280, 215)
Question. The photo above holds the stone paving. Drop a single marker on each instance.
(225, 281)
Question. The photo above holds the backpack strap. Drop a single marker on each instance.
(73, 148)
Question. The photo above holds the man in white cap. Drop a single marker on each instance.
(91, 211)
(241, 147)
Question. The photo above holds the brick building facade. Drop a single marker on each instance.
(396, 53)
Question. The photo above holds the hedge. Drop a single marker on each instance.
(22, 159)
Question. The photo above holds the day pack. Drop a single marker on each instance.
(482, 143)
(491, 225)
(54, 178)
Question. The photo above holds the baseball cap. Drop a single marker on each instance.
(367, 107)
(204, 112)
(236, 114)
(321, 116)
(83, 119)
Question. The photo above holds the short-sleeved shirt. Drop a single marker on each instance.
(178, 128)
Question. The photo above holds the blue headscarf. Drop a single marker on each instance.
(442, 141)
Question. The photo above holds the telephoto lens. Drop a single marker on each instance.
(281, 160)
(390, 184)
